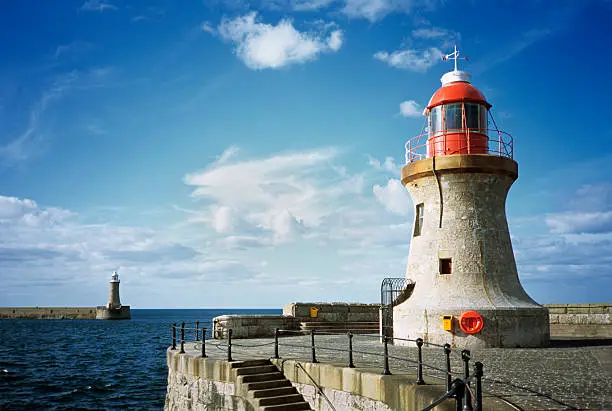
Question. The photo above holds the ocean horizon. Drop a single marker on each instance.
(94, 364)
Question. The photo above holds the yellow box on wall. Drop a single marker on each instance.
(447, 322)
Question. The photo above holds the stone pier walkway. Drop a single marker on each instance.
(566, 376)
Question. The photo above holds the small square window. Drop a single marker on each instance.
(418, 220)
(446, 266)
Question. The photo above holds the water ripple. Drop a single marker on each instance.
(91, 365)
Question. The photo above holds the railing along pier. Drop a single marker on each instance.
(457, 387)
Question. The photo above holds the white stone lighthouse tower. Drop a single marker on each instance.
(113, 298)
(467, 291)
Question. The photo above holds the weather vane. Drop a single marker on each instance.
(454, 56)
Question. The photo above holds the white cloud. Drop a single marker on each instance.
(411, 59)
(388, 165)
(430, 33)
(227, 154)
(207, 27)
(308, 5)
(410, 108)
(286, 227)
(275, 184)
(335, 40)
(393, 197)
(262, 46)
(372, 10)
(580, 222)
(97, 5)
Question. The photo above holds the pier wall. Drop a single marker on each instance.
(252, 326)
(196, 383)
(333, 312)
(201, 384)
(580, 320)
(59, 313)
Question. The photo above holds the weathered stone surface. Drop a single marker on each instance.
(564, 376)
(189, 392)
(252, 326)
(464, 219)
(49, 312)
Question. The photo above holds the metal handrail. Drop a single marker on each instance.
(331, 404)
(458, 389)
(499, 143)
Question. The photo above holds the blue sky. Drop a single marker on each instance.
(247, 154)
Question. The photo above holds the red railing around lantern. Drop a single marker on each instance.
(498, 143)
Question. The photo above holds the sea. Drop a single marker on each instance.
(92, 364)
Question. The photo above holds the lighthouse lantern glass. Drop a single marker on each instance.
(453, 116)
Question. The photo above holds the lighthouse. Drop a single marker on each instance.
(113, 298)
(113, 310)
(467, 292)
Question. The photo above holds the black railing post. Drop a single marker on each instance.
(386, 342)
(350, 364)
(182, 338)
(420, 381)
(459, 387)
(447, 351)
(478, 374)
(312, 345)
(276, 343)
(229, 345)
(465, 356)
(174, 336)
(197, 335)
(203, 342)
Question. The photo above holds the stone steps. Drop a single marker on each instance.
(266, 387)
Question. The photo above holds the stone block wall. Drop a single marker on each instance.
(580, 320)
(55, 313)
(333, 312)
(201, 384)
(252, 326)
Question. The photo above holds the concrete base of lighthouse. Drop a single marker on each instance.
(463, 222)
(121, 313)
(511, 327)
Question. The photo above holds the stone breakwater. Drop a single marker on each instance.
(211, 383)
(572, 375)
(53, 313)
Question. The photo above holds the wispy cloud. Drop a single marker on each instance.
(97, 5)
(30, 142)
(310, 5)
(207, 27)
(262, 46)
(410, 108)
(27, 143)
(414, 60)
(72, 49)
(525, 40)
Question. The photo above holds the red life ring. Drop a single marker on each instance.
(471, 322)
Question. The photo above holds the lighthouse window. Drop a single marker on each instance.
(418, 220)
(472, 112)
(453, 114)
(484, 123)
(436, 119)
(446, 266)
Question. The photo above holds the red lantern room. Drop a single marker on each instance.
(458, 121)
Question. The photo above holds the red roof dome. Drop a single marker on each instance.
(455, 92)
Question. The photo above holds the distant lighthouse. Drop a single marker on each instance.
(113, 309)
(467, 291)
(113, 298)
